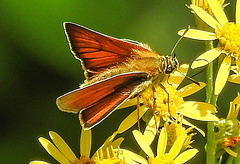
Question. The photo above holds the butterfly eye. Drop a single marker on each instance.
(169, 69)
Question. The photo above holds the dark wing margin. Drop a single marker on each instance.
(95, 102)
(98, 51)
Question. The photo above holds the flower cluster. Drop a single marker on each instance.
(227, 33)
(227, 131)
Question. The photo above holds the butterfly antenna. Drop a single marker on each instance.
(202, 69)
(179, 40)
(189, 78)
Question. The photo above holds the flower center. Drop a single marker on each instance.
(173, 131)
(229, 38)
(164, 104)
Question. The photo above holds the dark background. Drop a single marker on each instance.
(37, 66)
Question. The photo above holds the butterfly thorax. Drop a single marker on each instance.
(155, 65)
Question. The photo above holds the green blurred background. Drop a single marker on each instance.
(37, 66)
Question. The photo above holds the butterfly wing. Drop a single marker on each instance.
(98, 51)
(95, 102)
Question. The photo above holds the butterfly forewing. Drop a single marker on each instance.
(97, 101)
(99, 52)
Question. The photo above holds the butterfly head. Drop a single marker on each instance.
(171, 64)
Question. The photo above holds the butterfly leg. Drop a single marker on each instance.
(154, 100)
(154, 112)
(168, 97)
(138, 114)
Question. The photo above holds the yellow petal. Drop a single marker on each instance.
(199, 111)
(143, 143)
(185, 122)
(162, 142)
(132, 158)
(177, 76)
(110, 139)
(177, 145)
(198, 34)
(233, 110)
(38, 162)
(234, 79)
(185, 156)
(237, 100)
(230, 152)
(237, 17)
(222, 75)
(131, 119)
(218, 11)
(207, 18)
(206, 58)
(53, 151)
(151, 130)
(201, 106)
(117, 142)
(128, 103)
(238, 62)
(190, 89)
(109, 142)
(183, 69)
(85, 142)
(62, 146)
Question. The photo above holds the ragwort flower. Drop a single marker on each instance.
(171, 104)
(227, 33)
(203, 4)
(64, 155)
(227, 131)
(163, 155)
(173, 128)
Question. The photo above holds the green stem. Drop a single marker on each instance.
(209, 80)
(211, 144)
(210, 98)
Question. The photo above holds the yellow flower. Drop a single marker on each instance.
(227, 33)
(204, 5)
(174, 129)
(172, 105)
(227, 132)
(64, 155)
(162, 156)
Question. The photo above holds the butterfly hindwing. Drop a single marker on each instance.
(95, 102)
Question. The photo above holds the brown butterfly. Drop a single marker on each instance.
(115, 70)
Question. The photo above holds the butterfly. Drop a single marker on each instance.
(115, 70)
